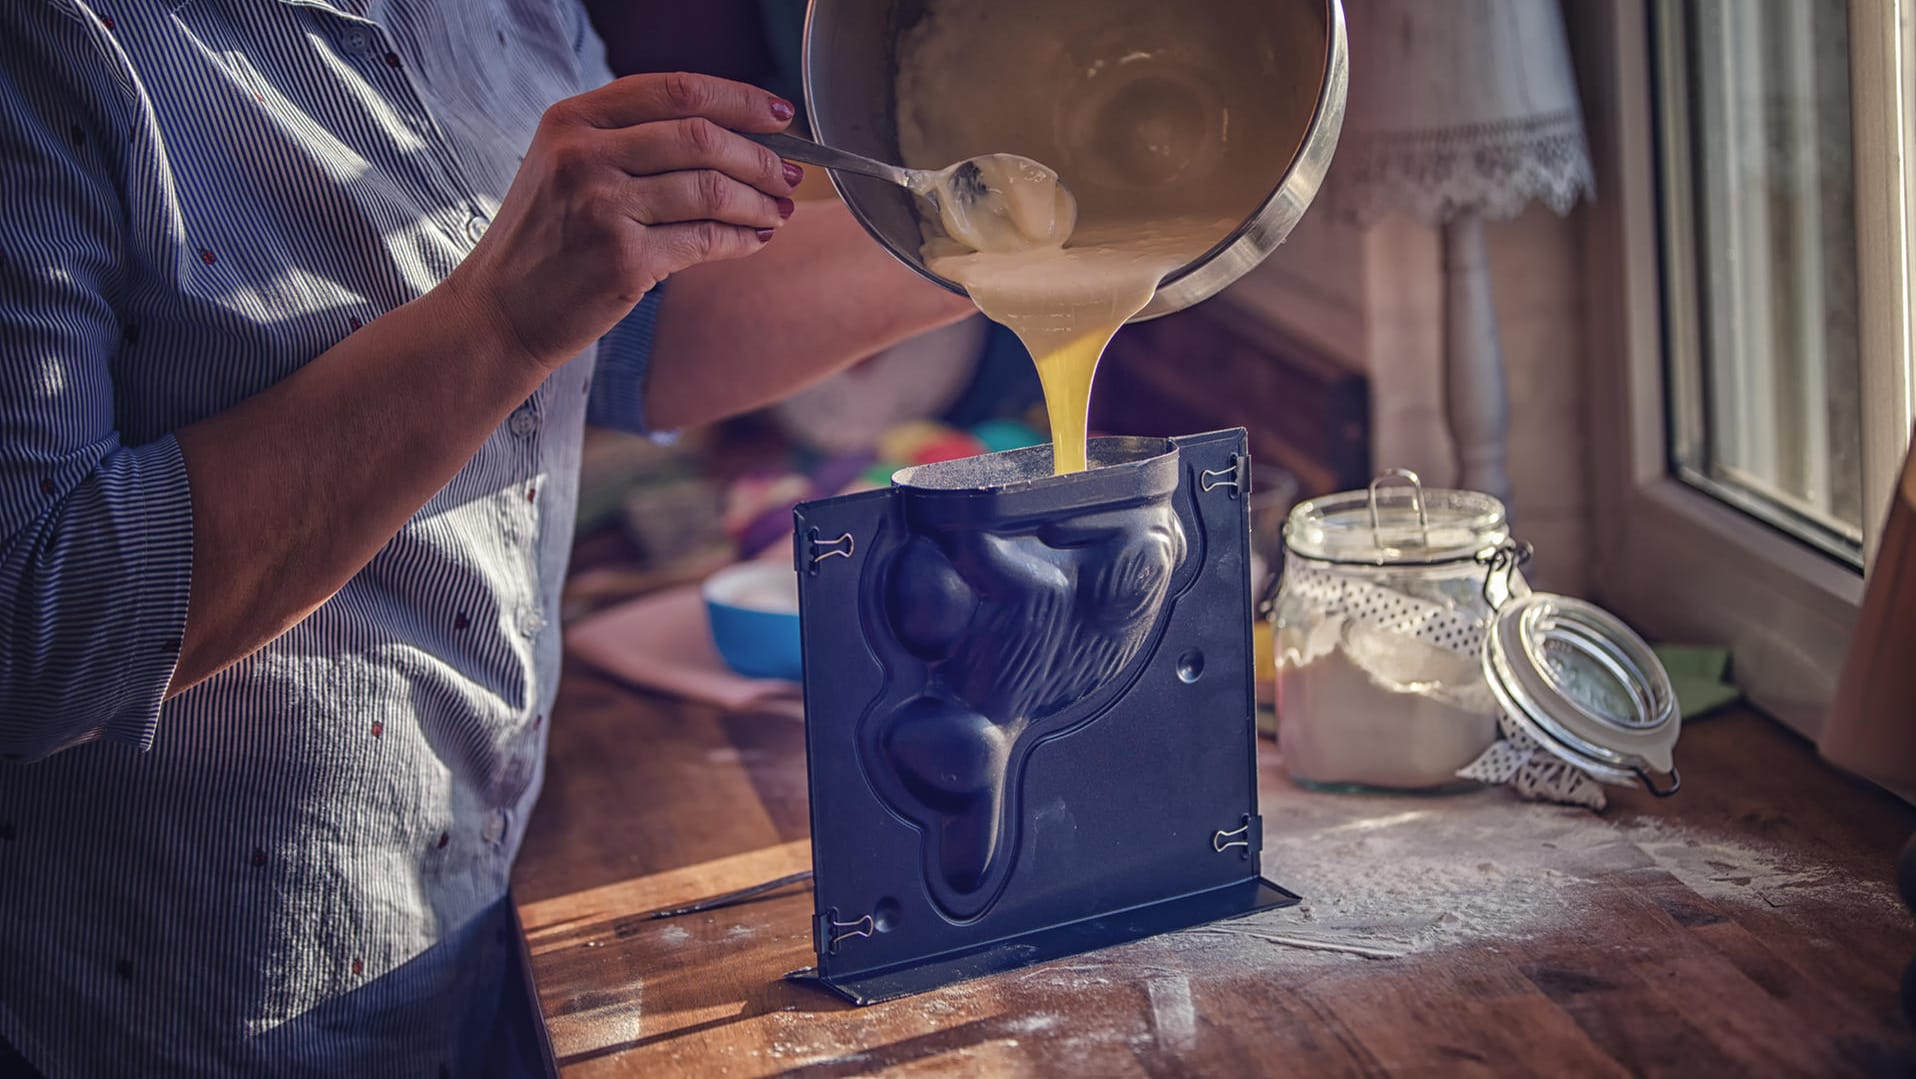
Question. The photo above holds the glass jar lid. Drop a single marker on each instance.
(1581, 683)
(1396, 522)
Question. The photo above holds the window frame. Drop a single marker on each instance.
(1681, 563)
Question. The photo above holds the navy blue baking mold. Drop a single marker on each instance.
(1029, 711)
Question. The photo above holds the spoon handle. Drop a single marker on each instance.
(793, 148)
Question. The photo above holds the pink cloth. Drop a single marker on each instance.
(662, 642)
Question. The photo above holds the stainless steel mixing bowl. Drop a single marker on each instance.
(850, 72)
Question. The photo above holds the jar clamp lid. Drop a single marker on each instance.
(1579, 681)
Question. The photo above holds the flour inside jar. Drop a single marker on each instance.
(1156, 117)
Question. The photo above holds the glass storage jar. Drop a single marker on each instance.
(1380, 623)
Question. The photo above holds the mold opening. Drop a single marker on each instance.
(1029, 466)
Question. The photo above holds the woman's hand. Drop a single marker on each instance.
(622, 187)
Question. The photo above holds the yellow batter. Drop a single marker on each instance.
(1146, 110)
(1066, 302)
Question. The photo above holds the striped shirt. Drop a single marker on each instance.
(281, 870)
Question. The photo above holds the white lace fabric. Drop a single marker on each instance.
(1493, 170)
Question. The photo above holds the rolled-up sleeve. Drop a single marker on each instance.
(96, 537)
(625, 355)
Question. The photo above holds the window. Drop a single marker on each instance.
(1757, 186)
(1749, 272)
(1756, 180)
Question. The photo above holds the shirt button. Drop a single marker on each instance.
(357, 40)
(518, 776)
(476, 227)
(531, 620)
(523, 422)
(496, 822)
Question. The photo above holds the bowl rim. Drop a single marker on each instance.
(714, 589)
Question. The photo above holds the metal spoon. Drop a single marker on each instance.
(961, 193)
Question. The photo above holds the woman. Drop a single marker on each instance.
(303, 304)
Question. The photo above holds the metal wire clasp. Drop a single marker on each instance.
(1501, 563)
(1222, 841)
(1240, 838)
(1234, 478)
(1650, 783)
(858, 927)
(1416, 502)
(842, 547)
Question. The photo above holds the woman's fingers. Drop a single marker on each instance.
(705, 195)
(679, 247)
(642, 99)
(698, 143)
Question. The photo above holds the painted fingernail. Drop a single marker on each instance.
(793, 174)
(765, 234)
(782, 110)
(785, 207)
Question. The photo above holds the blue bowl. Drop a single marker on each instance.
(753, 611)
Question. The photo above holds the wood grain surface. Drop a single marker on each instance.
(1748, 925)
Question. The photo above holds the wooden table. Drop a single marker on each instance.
(1747, 926)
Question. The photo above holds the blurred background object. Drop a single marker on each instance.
(1273, 493)
(731, 39)
(915, 379)
(1463, 112)
(1872, 728)
(1211, 367)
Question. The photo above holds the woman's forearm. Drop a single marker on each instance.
(819, 298)
(294, 490)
